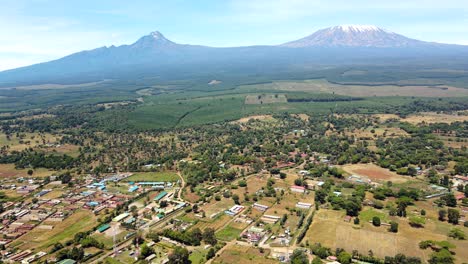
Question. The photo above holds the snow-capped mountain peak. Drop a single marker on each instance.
(153, 39)
(157, 35)
(358, 28)
(354, 36)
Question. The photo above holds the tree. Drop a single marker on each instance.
(450, 200)
(209, 236)
(197, 236)
(441, 257)
(282, 175)
(65, 178)
(316, 260)
(376, 221)
(415, 221)
(145, 251)
(453, 216)
(153, 236)
(235, 197)
(163, 203)
(299, 257)
(242, 183)
(393, 227)
(442, 214)
(299, 182)
(180, 255)
(344, 258)
(210, 254)
(352, 207)
(356, 221)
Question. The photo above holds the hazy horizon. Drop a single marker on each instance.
(43, 30)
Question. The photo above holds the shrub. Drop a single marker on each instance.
(376, 221)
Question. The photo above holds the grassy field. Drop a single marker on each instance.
(198, 256)
(324, 86)
(367, 215)
(215, 223)
(167, 176)
(228, 233)
(81, 220)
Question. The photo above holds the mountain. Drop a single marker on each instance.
(355, 36)
(154, 55)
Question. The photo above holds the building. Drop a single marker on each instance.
(458, 179)
(120, 217)
(270, 219)
(260, 207)
(133, 188)
(103, 228)
(160, 196)
(302, 205)
(298, 189)
(67, 261)
(234, 210)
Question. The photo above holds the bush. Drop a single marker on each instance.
(415, 221)
(376, 221)
(356, 221)
(393, 227)
(457, 233)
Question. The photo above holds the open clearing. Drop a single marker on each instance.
(432, 117)
(53, 86)
(254, 117)
(153, 176)
(265, 99)
(80, 221)
(8, 171)
(243, 255)
(374, 172)
(364, 90)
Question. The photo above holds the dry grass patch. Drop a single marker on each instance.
(255, 117)
(374, 172)
(433, 117)
(9, 171)
(215, 223)
(243, 255)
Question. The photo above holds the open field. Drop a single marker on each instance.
(42, 239)
(374, 172)
(228, 233)
(214, 207)
(324, 227)
(265, 99)
(324, 86)
(330, 230)
(387, 131)
(254, 117)
(153, 176)
(243, 255)
(215, 223)
(9, 171)
(432, 117)
(26, 140)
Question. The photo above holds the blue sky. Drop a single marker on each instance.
(34, 31)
